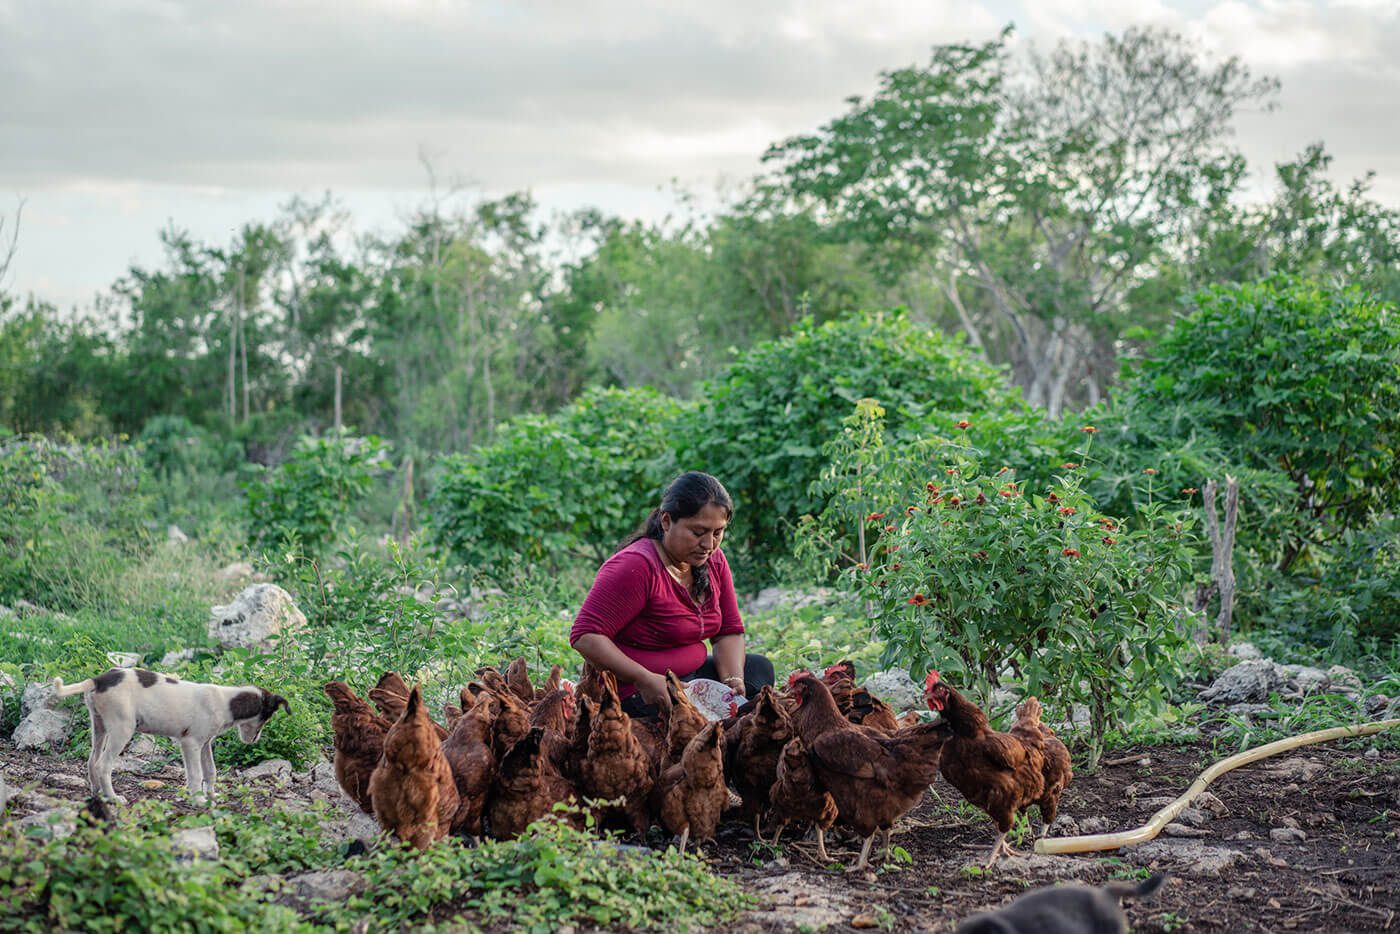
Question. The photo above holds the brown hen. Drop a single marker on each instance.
(690, 796)
(527, 788)
(1001, 773)
(359, 741)
(752, 750)
(797, 795)
(874, 778)
(468, 753)
(1058, 768)
(414, 794)
(616, 766)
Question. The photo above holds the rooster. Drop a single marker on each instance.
(874, 778)
(1001, 773)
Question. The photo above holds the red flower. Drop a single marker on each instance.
(889, 528)
(1108, 524)
(1006, 492)
(918, 599)
(874, 515)
(1149, 471)
(910, 510)
(1089, 430)
(951, 470)
(1070, 465)
(1070, 553)
(964, 424)
(1002, 471)
(953, 501)
(1053, 498)
(1188, 490)
(895, 567)
(862, 567)
(981, 498)
(931, 487)
(1067, 510)
(1110, 541)
(980, 555)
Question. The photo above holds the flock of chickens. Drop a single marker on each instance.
(823, 752)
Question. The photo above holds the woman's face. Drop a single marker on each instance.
(692, 540)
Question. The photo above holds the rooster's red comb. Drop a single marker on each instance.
(931, 680)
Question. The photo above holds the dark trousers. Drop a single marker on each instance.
(758, 671)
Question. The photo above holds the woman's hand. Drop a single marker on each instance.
(736, 684)
(654, 691)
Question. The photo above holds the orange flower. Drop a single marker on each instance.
(980, 555)
(1068, 465)
(895, 567)
(1053, 498)
(1003, 470)
(931, 487)
(1188, 490)
(910, 510)
(953, 501)
(1006, 493)
(1110, 541)
(964, 424)
(862, 567)
(1108, 524)
(1070, 553)
(1089, 430)
(951, 470)
(874, 515)
(890, 528)
(1067, 510)
(918, 599)
(1149, 471)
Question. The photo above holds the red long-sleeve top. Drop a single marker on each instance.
(651, 617)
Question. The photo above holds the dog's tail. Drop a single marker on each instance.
(1126, 890)
(82, 687)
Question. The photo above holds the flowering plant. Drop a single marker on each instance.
(990, 580)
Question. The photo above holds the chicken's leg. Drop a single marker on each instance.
(777, 833)
(864, 861)
(685, 837)
(999, 849)
(887, 831)
(821, 845)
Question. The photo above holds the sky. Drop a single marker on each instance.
(120, 117)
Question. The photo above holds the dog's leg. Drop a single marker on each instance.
(206, 756)
(119, 730)
(99, 738)
(192, 751)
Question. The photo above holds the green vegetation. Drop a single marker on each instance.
(126, 875)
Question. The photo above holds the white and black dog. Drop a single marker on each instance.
(124, 701)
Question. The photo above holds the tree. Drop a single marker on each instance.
(1039, 194)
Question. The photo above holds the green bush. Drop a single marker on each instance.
(551, 491)
(987, 578)
(761, 427)
(1296, 377)
(302, 503)
(74, 515)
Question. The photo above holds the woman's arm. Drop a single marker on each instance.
(729, 660)
(602, 653)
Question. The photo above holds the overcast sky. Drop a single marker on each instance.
(119, 117)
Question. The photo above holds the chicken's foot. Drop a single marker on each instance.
(864, 861)
(685, 837)
(821, 845)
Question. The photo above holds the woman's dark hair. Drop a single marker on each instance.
(684, 497)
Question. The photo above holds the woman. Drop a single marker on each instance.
(656, 601)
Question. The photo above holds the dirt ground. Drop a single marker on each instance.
(1344, 875)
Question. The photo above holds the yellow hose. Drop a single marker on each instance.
(1112, 841)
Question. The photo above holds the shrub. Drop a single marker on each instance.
(761, 427)
(302, 503)
(556, 489)
(74, 515)
(1297, 377)
(989, 578)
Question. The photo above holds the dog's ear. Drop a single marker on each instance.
(270, 704)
